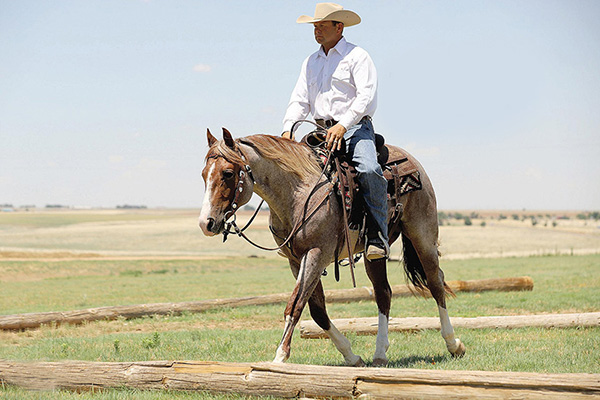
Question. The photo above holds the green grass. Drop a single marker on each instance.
(12, 393)
(560, 283)
(249, 334)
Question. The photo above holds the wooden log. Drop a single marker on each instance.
(521, 283)
(368, 326)
(34, 320)
(292, 380)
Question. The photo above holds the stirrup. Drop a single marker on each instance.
(374, 252)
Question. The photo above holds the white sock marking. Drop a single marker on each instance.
(382, 343)
(447, 331)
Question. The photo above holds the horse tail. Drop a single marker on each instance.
(415, 272)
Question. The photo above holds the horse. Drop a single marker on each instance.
(306, 222)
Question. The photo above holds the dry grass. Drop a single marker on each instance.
(175, 234)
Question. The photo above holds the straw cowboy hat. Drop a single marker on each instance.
(330, 12)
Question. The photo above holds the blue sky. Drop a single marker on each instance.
(106, 102)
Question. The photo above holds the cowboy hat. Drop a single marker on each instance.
(330, 12)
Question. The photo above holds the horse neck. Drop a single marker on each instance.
(279, 188)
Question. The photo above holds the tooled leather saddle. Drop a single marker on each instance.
(401, 173)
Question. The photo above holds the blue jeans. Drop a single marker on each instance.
(360, 144)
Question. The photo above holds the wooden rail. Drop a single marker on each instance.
(34, 320)
(368, 326)
(290, 380)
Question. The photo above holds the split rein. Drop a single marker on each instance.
(298, 225)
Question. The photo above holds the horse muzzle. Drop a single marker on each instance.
(210, 226)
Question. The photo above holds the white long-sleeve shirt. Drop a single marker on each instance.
(341, 86)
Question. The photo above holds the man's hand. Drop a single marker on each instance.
(335, 135)
(287, 135)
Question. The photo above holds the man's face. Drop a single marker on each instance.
(326, 32)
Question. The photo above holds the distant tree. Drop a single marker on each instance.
(534, 221)
(468, 221)
(442, 218)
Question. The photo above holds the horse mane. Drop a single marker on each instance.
(293, 157)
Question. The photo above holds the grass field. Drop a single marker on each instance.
(71, 260)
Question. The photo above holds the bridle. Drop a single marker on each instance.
(246, 170)
(231, 213)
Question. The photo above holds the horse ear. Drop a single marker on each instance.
(211, 139)
(228, 139)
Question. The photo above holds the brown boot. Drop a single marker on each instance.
(376, 247)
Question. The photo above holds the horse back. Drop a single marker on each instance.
(410, 192)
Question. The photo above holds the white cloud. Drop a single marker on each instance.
(269, 110)
(115, 159)
(202, 68)
(535, 173)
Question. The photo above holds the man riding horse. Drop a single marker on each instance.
(338, 86)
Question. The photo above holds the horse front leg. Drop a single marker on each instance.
(307, 277)
(318, 312)
(377, 273)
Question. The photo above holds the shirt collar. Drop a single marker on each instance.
(340, 47)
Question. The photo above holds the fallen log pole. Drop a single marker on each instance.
(368, 326)
(35, 320)
(521, 283)
(292, 380)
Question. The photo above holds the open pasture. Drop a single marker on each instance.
(175, 234)
(65, 260)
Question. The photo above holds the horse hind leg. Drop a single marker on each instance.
(377, 273)
(318, 312)
(422, 268)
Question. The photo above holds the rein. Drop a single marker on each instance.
(300, 222)
(298, 225)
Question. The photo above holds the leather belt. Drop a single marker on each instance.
(326, 123)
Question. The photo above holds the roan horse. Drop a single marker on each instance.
(284, 173)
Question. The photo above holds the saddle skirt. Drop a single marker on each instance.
(398, 169)
(401, 173)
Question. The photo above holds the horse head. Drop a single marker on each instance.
(228, 183)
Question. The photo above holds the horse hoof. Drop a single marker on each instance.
(380, 362)
(460, 351)
(359, 363)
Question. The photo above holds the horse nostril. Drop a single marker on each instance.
(211, 224)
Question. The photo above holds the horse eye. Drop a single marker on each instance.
(228, 174)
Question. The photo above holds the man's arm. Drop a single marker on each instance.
(365, 79)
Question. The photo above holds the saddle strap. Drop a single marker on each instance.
(346, 227)
(397, 182)
(398, 209)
